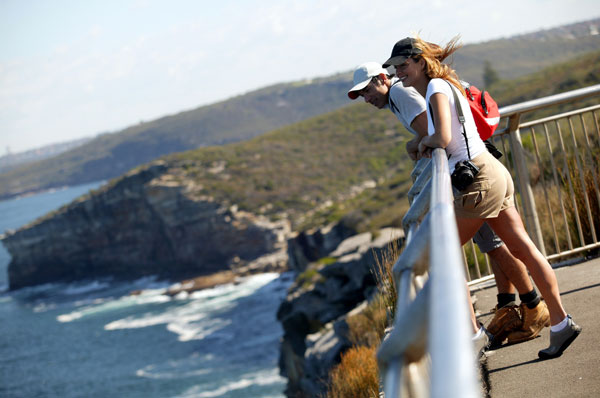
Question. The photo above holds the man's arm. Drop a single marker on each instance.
(419, 124)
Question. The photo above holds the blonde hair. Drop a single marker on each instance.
(434, 55)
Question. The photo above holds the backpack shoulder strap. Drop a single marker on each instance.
(392, 104)
(459, 113)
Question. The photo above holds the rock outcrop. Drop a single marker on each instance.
(314, 312)
(146, 223)
(308, 246)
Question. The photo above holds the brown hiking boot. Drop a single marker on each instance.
(505, 320)
(534, 320)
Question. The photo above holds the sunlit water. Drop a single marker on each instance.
(94, 339)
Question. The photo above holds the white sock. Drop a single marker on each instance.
(478, 334)
(560, 326)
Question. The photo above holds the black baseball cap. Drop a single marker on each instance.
(402, 50)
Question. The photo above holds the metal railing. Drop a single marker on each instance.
(429, 351)
(432, 315)
(554, 161)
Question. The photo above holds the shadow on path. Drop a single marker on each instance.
(580, 289)
(516, 365)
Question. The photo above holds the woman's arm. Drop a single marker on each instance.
(443, 125)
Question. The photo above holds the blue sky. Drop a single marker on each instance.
(70, 69)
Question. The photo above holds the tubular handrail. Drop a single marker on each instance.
(450, 346)
(432, 317)
(560, 116)
(530, 106)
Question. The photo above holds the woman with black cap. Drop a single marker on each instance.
(483, 187)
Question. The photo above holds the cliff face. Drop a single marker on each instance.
(314, 313)
(157, 221)
(145, 224)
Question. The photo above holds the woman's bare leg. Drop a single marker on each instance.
(509, 227)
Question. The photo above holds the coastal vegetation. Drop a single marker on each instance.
(347, 166)
(357, 374)
(308, 172)
(581, 71)
(235, 119)
(521, 55)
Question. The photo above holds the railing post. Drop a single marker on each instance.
(530, 215)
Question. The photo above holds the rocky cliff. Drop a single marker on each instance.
(144, 224)
(157, 221)
(223, 207)
(314, 313)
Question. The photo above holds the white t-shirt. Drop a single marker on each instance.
(408, 104)
(457, 149)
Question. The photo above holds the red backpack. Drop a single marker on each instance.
(484, 110)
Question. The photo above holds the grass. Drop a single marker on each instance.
(584, 200)
(309, 277)
(367, 328)
(472, 253)
(563, 161)
(566, 185)
(357, 375)
(327, 260)
(384, 277)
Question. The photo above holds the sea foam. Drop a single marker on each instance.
(197, 318)
(262, 378)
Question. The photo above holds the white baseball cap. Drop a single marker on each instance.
(363, 75)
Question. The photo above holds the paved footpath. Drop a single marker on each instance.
(516, 371)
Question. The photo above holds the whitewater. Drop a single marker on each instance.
(96, 339)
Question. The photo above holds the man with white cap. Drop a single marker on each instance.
(373, 83)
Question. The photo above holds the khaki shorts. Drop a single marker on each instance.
(491, 192)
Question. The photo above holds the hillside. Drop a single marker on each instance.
(228, 206)
(579, 72)
(214, 208)
(255, 113)
(13, 160)
(236, 119)
(285, 179)
(523, 54)
(296, 171)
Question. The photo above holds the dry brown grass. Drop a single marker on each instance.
(585, 199)
(384, 277)
(356, 376)
(367, 328)
(550, 216)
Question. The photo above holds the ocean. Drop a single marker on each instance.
(94, 339)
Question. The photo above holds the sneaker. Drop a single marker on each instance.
(482, 341)
(506, 320)
(534, 320)
(559, 341)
